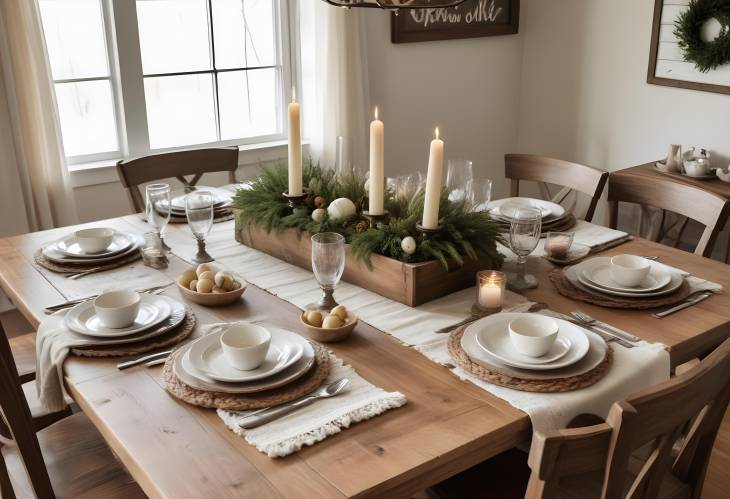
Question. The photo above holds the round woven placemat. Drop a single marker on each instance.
(496, 377)
(72, 268)
(565, 223)
(566, 288)
(172, 337)
(243, 402)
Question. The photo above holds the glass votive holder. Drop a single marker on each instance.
(491, 286)
(557, 244)
(153, 252)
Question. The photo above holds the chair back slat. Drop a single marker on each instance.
(19, 420)
(179, 164)
(542, 169)
(707, 208)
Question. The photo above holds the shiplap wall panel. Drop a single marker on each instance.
(670, 63)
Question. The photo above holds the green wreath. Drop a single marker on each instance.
(688, 29)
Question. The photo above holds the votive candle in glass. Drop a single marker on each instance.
(557, 244)
(490, 290)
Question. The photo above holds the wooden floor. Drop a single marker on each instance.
(718, 477)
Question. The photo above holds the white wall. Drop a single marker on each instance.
(469, 88)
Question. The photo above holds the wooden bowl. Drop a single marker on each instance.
(212, 299)
(330, 335)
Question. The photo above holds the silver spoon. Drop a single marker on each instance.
(267, 415)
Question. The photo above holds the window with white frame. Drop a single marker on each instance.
(139, 76)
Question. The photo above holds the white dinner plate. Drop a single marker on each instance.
(207, 356)
(188, 374)
(504, 208)
(600, 275)
(492, 336)
(574, 275)
(52, 252)
(69, 246)
(596, 354)
(82, 318)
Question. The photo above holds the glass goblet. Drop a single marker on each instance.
(158, 208)
(458, 174)
(199, 211)
(328, 264)
(479, 193)
(524, 234)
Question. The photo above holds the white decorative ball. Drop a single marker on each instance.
(341, 209)
(319, 214)
(408, 245)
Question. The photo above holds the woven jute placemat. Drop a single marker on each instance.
(566, 288)
(72, 268)
(172, 337)
(496, 376)
(248, 401)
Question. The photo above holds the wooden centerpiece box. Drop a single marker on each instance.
(409, 283)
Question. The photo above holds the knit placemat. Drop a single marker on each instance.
(73, 268)
(566, 288)
(493, 374)
(248, 401)
(172, 337)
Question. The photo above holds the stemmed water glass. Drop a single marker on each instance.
(479, 193)
(524, 234)
(328, 263)
(458, 174)
(199, 211)
(157, 208)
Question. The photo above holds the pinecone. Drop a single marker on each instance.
(320, 202)
(362, 226)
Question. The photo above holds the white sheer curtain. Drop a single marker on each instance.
(35, 188)
(334, 74)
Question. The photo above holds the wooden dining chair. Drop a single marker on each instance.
(179, 165)
(572, 177)
(654, 445)
(66, 459)
(691, 202)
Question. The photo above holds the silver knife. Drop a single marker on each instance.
(141, 360)
(607, 337)
(683, 305)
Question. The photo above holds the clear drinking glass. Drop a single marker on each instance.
(458, 174)
(479, 193)
(157, 208)
(199, 211)
(328, 263)
(524, 234)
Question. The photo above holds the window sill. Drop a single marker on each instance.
(250, 156)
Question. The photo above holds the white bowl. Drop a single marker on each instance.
(245, 345)
(533, 335)
(94, 240)
(117, 309)
(629, 270)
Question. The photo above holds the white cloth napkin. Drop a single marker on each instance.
(595, 236)
(359, 401)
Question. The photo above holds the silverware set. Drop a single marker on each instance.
(605, 331)
(692, 299)
(154, 290)
(149, 360)
(473, 318)
(86, 272)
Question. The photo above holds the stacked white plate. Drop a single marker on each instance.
(594, 276)
(67, 249)
(202, 365)
(504, 210)
(157, 315)
(221, 203)
(575, 351)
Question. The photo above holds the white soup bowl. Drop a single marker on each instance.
(117, 309)
(533, 335)
(245, 345)
(629, 270)
(94, 240)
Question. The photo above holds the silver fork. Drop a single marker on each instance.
(79, 275)
(154, 290)
(606, 337)
(590, 321)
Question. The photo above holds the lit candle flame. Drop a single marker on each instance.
(436, 133)
(293, 94)
(376, 112)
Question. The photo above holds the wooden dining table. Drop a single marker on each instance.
(176, 450)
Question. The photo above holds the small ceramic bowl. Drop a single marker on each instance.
(94, 240)
(245, 345)
(533, 335)
(117, 309)
(213, 299)
(629, 270)
(331, 335)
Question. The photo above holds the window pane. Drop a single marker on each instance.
(74, 32)
(86, 111)
(180, 110)
(245, 33)
(248, 103)
(173, 35)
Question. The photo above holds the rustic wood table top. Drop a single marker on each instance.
(713, 185)
(175, 450)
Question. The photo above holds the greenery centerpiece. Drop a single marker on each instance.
(465, 234)
(706, 55)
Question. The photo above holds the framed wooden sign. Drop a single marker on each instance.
(471, 19)
(666, 62)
